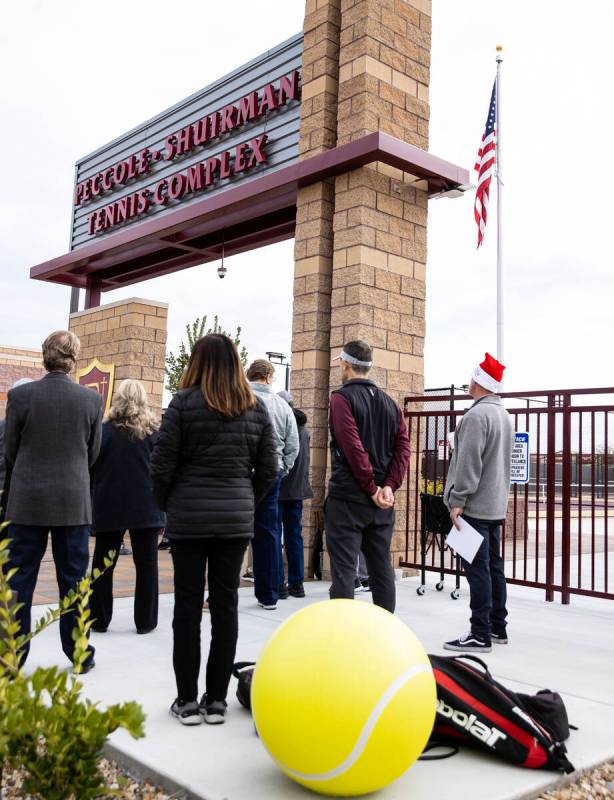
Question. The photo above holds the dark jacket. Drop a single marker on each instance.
(295, 486)
(3, 471)
(51, 439)
(369, 443)
(122, 493)
(209, 471)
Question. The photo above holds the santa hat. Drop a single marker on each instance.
(489, 374)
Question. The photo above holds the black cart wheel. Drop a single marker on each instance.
(421, 590)
(455, 594)
(439, 586)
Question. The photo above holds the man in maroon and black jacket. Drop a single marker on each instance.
(369, 457)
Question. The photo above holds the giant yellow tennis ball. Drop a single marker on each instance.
(343, 697)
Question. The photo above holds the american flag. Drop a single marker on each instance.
(485, 166)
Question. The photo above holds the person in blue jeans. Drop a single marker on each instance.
(52, 438)
(267, 534)
(293, 491)
(477, 488)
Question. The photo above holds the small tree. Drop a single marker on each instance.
(175, 364)
(46, 728)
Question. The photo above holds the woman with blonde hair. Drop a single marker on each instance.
(122, 499)
(214, 460)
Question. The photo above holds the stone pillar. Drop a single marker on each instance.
(130, 334)
(313, 250)
(361, 237)
(16, 363)
(381, 212)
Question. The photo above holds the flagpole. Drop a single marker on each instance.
(500, 351)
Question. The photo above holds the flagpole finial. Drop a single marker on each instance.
(499, 49)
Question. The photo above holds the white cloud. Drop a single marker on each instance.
(73, 76)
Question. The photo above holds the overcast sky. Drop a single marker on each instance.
(74, 75)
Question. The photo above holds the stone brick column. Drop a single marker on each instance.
(381, 212)
(130, 334)
(313, 251)
(16, 363)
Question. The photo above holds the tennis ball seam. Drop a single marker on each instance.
(365, 733)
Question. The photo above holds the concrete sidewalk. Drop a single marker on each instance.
(569, 649)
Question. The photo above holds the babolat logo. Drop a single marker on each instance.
(470, 723)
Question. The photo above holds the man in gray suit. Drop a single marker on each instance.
(4, 473)
(52, 438)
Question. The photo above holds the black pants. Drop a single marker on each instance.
(222, 559)
(351, 527)
(28, 544)
(486, 578)
(145, 556)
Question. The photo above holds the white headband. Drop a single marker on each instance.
(355, 361)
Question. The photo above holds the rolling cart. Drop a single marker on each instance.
(434, 527)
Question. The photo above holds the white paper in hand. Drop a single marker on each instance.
(466, 541)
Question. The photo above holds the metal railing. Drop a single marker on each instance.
(556, 534)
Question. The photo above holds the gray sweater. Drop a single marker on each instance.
(478, 478)
(284, 425)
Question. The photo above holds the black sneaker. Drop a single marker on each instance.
(468, 643)
(212, 711)
(124, 551)
(165, 544)
(186, 713)
(366, 586)
(248, 575)
(283, 592)
(296, 589)
(499, 638)
(358, 587)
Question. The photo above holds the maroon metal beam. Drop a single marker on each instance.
(251, 198)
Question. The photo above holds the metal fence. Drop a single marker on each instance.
(556, 535)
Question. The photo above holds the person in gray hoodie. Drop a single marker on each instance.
(477, 488)
(267, 533)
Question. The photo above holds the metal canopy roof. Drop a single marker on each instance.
(253, 213)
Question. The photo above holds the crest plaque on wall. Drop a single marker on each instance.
(100, 377)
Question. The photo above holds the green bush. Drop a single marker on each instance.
(175, 364)
(46, 728)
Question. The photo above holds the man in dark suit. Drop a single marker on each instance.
(51, 439)
(4, 473)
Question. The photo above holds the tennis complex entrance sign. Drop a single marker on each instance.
(323, 138)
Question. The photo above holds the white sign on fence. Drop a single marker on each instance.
(520, 458)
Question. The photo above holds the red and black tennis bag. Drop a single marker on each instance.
(474, 709)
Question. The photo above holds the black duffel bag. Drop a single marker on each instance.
(243, 672)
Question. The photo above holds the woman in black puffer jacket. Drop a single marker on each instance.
(214, 459)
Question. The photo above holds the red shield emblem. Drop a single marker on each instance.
(100, 377)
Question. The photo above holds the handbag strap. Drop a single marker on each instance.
(451, 749)
(239, 666)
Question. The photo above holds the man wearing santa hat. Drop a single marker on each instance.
(477, 488)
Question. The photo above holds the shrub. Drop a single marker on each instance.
(46, 727)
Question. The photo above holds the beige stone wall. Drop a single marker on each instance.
(16, 363)
(363, 238)
(130, 334)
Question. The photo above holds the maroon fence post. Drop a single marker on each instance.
(550, 497)
(566, 500)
